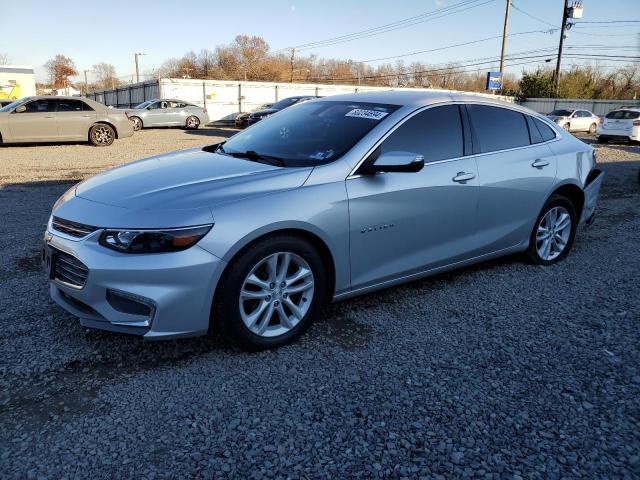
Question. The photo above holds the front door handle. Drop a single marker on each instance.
(463, 177)
(540, 164)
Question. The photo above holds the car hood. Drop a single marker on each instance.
(187, 179)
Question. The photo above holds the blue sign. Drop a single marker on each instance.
(494, 80)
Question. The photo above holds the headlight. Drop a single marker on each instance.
(153, 241)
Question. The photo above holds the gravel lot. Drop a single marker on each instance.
(502, 370)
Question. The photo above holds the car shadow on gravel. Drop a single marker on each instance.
(215, 131)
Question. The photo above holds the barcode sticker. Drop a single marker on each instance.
(368, 114)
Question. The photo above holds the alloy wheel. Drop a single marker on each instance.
(553, 232)
(276, 294)
(102, 135)
(193, 122)
(137, 124)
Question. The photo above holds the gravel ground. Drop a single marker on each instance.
(502, 370)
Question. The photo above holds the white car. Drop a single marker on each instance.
(575, 120)
(622, 124)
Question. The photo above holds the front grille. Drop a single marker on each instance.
(68, 269)
(74, 229)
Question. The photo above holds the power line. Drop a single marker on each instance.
(404, 23)
(610, 21)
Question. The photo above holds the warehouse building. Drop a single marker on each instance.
(17, 81)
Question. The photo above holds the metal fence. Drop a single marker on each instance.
(224, 99)
(599, 107)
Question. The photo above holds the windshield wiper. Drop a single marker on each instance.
(258, 157)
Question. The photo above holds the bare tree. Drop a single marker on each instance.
(60, 68)
(4, 58)
(106, 76)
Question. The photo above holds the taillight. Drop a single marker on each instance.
(636, 123)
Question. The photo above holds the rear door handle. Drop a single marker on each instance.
(463, 177)
(540, 163)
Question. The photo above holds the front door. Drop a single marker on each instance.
(36, 123)
(404, 223)
(158, 115)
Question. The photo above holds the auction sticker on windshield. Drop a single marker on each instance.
(369, 114)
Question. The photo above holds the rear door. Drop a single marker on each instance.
(36, 123)
(517, 171)
(74, 119)
(405, 223)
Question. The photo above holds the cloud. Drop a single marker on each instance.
(293, 8)
(439, 3)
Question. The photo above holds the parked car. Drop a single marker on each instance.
(575, 120)
(167, 113)
(6, 101)
(255, 117)
(241, 118)
(622, 124)
(53, 119)
(331, 199)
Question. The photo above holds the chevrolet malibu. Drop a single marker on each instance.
(322, 201)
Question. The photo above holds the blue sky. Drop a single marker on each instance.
(112, 31)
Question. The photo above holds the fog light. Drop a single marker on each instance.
(130, 303)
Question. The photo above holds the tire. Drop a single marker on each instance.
(567, 127)
(102, 135)
(535, 251)
(137, 123)
(233, 313)
(592, 128)
(192, 123)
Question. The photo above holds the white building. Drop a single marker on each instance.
(17, 81)
(68, 91)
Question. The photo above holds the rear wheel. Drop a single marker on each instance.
(102, 135)
(137, 123)
(554, 232)
(192, 122)
(592, 128)
(270, 293)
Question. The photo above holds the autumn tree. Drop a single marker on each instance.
(60, 68)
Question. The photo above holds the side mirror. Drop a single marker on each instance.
(148, 108)
(396, 161)
(20, 109)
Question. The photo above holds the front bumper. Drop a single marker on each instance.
(591, 192)
(177, 287)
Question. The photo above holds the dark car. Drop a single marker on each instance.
(241, 118)
(276, 107)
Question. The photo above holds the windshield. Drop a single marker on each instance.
(12, 105)
(143, 105)
(284, 103)
(561, 113)
(311, 133)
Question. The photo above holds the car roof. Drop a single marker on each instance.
(419, 98)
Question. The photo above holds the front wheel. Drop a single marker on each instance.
(270, 293)
(567, 127)
(554, 232)
(102, 135)
(192, 122)
(137, 123)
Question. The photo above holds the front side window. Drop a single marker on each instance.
(312, 133)
(41, 106)
(156, 105)
(143, 105)
(498, 128)
(435, 133)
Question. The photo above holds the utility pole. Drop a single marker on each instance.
(293, 53)
(556, 76)
(505, 29)
(86, 84)
(136, 55)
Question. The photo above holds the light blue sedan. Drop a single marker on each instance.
(167, 113)
(320, 202)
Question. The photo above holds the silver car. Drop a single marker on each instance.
(322, 201)
(67, 119)
(575, 120)
(167, 113)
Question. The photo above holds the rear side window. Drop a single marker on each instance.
(623, 115)
(498, 128)
(545, 130)
(70, 105)
(435, 133)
